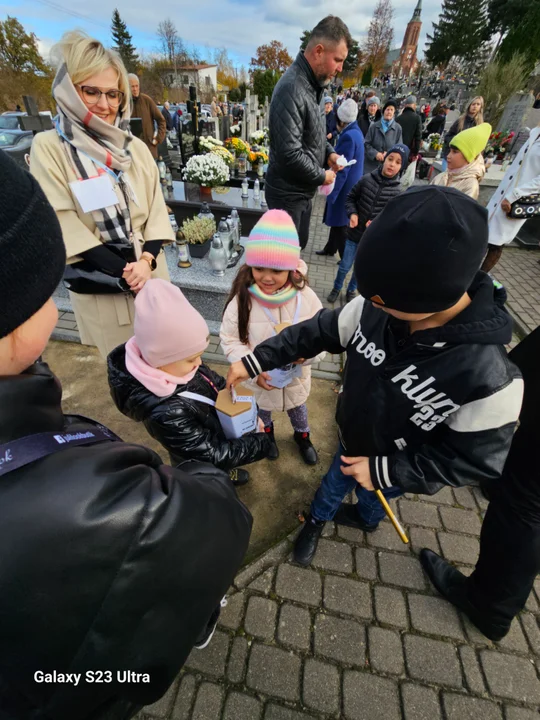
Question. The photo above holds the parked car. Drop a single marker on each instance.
(16, 143)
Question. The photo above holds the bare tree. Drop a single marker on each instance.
(380, 35)
(170, 43)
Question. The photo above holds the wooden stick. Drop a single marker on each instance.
(393, 518)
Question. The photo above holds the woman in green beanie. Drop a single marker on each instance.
(465, 162)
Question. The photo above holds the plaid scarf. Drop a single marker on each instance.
(92, 145)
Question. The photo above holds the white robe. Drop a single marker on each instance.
(522, 178)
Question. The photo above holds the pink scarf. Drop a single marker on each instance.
(157, 381)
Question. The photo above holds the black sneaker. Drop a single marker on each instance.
(323, 252)
(273, 453)
(204, 638)
(333, 295)
(239, 477)
(307, 541)
(307, 451)
(348, 515)
(350, 296)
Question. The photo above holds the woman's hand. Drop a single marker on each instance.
(506, 206)
(353, 221)
(260, 425)
(136, 274)
(379, 157)
(262, 381)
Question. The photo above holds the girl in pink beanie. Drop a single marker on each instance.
(159, 378)
(271, 289)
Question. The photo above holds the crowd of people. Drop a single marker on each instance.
(117, 560)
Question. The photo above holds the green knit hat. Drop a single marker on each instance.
(471, 142)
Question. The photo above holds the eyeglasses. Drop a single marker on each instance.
(92, 95)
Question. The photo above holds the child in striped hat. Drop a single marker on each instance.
(269, 291)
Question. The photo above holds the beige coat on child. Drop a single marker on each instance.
(261, 328)
(467, 179)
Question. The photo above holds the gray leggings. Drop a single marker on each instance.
(297, 416)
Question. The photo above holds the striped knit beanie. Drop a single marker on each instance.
(273, 242)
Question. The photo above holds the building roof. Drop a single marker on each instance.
(203, 66)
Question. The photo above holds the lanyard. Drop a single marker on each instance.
(296, 313)
(26, 450)
(196, 396)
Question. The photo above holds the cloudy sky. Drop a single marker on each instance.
(238, 25)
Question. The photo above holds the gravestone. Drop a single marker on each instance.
(33, 120)
(244, 133)
(515, 112)
(225, 127)
(186, 140)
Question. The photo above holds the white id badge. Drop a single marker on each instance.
(94, 194)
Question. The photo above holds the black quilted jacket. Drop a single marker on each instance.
(368, 197)
(297, 124)
(188, 429)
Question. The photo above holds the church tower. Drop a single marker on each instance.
(407, 57)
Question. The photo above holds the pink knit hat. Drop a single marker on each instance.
(273, 242)
(167, 328)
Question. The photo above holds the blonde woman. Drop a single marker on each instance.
(473, 115)
(104, 186)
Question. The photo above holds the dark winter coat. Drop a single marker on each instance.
(351, 145)
(111, 561)
(377, 141)
(331, 127)
(187, 429)
(433, 408)
(364, 121)
(367, 199)
(436, 125)
(411, 125)
(454, 130)
(299, 149)
(168, 118)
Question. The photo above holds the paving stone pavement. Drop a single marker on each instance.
(361, 635)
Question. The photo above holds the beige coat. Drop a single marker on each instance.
(103, 320)
(467, 179)
(260, 328)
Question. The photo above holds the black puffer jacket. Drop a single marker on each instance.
(188, 429)
(297, 124)
(110, 561)
(368, 197)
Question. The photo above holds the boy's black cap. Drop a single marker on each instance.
(32, 252)
(422, 252)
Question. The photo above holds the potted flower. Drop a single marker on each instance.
(198, 232)
(211, 145)
(237, 145)
(259, 137)
(499, 142)
(208, 171)
(236, 129)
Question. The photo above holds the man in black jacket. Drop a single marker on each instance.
(112, 563)
(411, 125)
(299, 150)
(429, 396)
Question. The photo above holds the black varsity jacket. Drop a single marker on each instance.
(438, 407)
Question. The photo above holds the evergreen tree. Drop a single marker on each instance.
(460, 33)
(367, 75)
(124, 43)
(524, 39)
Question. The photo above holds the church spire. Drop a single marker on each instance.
(417, 12)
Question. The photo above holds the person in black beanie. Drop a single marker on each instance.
(112, 561)
(429, 396)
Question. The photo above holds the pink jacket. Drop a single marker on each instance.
(260, 328)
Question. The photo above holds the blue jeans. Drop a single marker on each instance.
(345, 265)
(335, 485)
